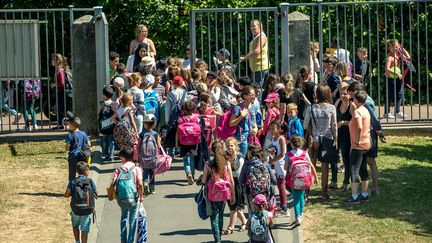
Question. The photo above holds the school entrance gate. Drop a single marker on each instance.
(290, 28)
(29, 42)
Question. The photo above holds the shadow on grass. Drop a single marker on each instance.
(421, 153)
(405, 195)
(29, 152)
(43, 194)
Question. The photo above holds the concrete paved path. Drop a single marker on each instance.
(171, 212)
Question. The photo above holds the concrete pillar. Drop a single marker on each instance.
(85, 88)
(295, 40)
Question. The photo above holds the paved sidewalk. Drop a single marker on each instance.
(171, 212)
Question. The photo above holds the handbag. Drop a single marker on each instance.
(200, 199)
(327, 151)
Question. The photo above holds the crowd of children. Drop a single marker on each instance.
(246, 138)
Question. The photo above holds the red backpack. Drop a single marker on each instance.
(189, 130)
(299, 175)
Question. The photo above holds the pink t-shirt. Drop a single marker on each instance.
(361, 119)
(127, 166)
(272, 114)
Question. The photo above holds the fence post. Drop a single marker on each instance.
(192, 39)
(102, 50)
(285, 38)
(320, 34)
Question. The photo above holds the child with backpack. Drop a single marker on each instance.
(32, 89)
(76, 142)
(218, 177)
(260, 221)
(277, 152)
(150, 143)
(106, 125)
(138, 99)
(272, 114)
(188, 137)
(256, 175)
(151, 97)
(236, 210)
(83, 192)
(125, 132)
(127, 184)
(301, 174)
(295, 126)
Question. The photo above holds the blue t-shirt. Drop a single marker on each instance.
(81, 139)
(245, 124)
(72, 183)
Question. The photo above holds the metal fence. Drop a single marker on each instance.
(366, 24)
(28, 40)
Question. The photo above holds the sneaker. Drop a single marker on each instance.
(298, 220)
(190, 179)
(152, 190)
(400, 115)
(389, 116)
(17, 119)
(352, 201)
(146, 188)
(362, 198)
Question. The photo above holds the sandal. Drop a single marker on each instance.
(228, 231)
(242, 228)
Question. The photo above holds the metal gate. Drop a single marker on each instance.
(32, 41)
(366, 24)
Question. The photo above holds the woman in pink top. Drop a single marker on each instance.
(359, 128)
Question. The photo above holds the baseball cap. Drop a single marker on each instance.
(223, 52)
(149, 79)
(279, 86)
(149, 118)
(259, 199)
(118, 82)
(178, 80)
(188, 47)
(272, 97)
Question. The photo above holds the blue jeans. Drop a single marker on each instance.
(398, 87)
(108, 145)
(298, 201)
(189, 164)
(148, 176)
(5, 107)
(243, 148)
(260, 76)
(29, 107)
(131, 212)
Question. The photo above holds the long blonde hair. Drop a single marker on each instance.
(218, 169)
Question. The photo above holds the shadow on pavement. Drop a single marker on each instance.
(189, 232)
(188, 195)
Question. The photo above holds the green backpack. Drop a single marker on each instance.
(126, 190)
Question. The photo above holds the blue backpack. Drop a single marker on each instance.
(126, 191)
(175, 110)
(151, 103)
(259, 229)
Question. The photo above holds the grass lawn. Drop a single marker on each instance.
(32, 183)
(401, 213)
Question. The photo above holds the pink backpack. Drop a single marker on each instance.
(299, 174)
(189, 130)
(223, 130)
(219, 190)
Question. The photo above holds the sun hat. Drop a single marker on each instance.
(272, 97)
(118, 82)
(343, 85)
(260, 199)
(147, 61)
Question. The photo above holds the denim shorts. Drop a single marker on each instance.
(81, 221)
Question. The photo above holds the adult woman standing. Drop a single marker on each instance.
(344, 109)
(258, 53)
(141, 33)
(322, 116)
(359, 128)
(134, 60)
(241, 118)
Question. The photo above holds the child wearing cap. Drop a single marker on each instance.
(148, 174)
(75, 141)
(260, 221)
(151, 97)
(272, 102)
